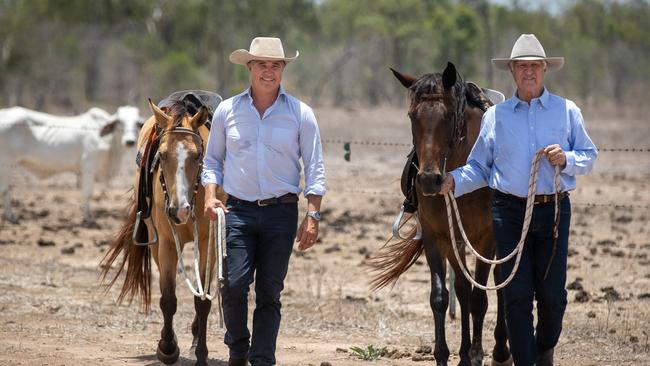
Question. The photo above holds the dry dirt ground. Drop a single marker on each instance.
(53, 311)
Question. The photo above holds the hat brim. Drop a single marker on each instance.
(242, 57)
(552, 63)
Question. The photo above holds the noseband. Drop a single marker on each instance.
(162, 173)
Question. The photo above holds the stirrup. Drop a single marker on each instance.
(398, 221)
(148, 223)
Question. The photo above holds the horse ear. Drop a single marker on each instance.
(406, 80)
(449, 76)
(199, 118)
(162, 120)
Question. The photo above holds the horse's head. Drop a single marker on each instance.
(180, 154)
(437, 104)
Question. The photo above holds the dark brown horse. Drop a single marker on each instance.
(445, 125)
(182, 138)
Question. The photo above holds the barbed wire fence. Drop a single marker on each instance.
(347, 155)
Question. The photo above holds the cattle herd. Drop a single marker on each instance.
(91, 145)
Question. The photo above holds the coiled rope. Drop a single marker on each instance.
(519, 249)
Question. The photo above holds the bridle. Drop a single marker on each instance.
(456, 117)
(198, 173)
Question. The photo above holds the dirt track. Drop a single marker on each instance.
(53, 312)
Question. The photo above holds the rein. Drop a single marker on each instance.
(519, 249)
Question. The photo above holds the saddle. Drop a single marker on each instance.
(477, 97)
(145, 158)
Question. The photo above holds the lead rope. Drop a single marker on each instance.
(532, 184)
(218, 227)
(218, 234)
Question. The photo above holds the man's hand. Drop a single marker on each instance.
(447, 185)
(307, 233)
(555, 155)
(210, 209)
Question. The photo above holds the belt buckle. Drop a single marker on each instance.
(261, 203)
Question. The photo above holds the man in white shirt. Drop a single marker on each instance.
(256, 142)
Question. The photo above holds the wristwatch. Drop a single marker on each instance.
(314, 215)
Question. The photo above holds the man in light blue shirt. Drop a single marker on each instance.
(511, 134)
(254, 150)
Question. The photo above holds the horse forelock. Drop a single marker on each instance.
(178, 112)
(429, 87)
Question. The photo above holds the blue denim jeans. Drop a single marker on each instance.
(528, 283)
(259, 241)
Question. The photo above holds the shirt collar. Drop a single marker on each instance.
(544, 100)
(249, 93)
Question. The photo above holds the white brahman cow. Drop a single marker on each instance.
(91, 144)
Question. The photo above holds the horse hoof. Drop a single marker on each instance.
(166, 358)
(507, 362)
(477, 356)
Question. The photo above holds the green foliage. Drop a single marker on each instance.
(58, 51)
(369, 353)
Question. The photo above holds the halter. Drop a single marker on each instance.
(162, 173)
(457, 119)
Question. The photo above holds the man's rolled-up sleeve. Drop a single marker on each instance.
(311, 151)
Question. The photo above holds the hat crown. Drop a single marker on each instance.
(527, 45)
(267, 47)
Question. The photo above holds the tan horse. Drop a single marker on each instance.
(445, 124)
(178, 201)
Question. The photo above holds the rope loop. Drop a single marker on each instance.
(450, 202)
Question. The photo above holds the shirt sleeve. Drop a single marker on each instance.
(580, 159)
(311, 151)
(215, 151)
(476, 172)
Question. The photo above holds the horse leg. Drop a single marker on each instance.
(438, 300)
(202, 308)
(463, 291)
(168, 351)
(500, 354)
(478, 308)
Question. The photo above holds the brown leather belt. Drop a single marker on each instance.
(539, 199)
(287, 198)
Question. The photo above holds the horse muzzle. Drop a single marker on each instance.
(179, 215)
(429, 183)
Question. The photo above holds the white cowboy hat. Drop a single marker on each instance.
(528, 48)
(262, 48)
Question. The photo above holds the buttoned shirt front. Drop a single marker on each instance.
(258, 157)
(511, 134)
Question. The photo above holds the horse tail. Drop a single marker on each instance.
(136, 259)
(393, 259)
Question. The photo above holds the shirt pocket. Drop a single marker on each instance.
(283, 140)
(236, 140)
